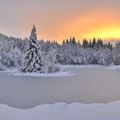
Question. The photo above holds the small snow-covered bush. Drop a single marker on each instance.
(2, 68)
(116, 54)
(49, 65)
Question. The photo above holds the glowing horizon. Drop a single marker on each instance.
(58, 20)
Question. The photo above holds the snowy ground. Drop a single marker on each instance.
(61, 73)
(63, 111)
(77, 86)
(64, 71)
(110, 67)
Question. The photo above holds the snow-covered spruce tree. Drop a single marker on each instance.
(116, 54)
(33, 60)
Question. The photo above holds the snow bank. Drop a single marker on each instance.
(114, 67)
(82, 66)
(61, 73)
(61, 111)
(110, 67)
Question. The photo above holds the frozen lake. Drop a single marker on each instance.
(88, 85)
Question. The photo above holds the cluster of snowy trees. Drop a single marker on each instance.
(10, 52)
(95, 52)
(32, 55)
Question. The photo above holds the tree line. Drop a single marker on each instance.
(95, 43)
(33, 55)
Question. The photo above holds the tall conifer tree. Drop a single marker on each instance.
(32, 60)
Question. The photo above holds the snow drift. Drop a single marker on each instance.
(62, 111)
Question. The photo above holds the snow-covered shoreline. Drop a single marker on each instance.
(109, 67)
(62, 111)
(35, 74)
(63, 72)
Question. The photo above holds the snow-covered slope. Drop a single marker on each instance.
(61, 111)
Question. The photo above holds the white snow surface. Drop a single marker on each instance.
(114, 67)
(82, 66)
(64, 71)
(110, 67)
(61, 73)
(62, 111)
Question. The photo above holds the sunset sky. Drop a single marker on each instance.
(60, 19)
